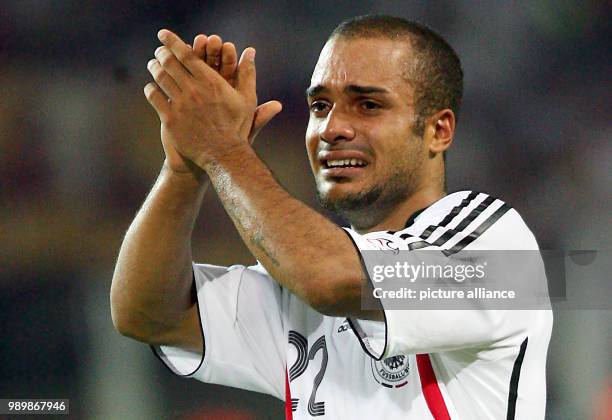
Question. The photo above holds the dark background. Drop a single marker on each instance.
(79, 149)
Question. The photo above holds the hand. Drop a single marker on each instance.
(219, 55)
(202, 116)
(222, 57)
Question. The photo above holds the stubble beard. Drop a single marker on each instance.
(367, 208)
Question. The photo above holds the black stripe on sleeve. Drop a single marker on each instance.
(450, 233)
(479, 230)
(514, 381)
(475, 213)
(450, 216)
(465, 222)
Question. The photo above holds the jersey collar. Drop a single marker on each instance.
(413, 217)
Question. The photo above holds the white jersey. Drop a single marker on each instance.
(418, 364)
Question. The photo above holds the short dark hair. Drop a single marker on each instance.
(436, 73)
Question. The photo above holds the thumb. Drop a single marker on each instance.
(263, 115)
(245, 83)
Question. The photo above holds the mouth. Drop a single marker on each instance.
(343, 163)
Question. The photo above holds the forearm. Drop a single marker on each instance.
(207, 121)
(304, 251)
(152, 282)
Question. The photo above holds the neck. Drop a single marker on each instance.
(396, 218)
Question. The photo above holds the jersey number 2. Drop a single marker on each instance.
(299, 367)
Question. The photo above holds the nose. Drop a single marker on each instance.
(337, 127)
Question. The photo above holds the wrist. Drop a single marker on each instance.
(230, 156)
(193, 179)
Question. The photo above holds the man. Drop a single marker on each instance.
(383, 101)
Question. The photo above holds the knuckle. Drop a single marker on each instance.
(160, 75)
(192, 91)
(194, 94)
(215, 90)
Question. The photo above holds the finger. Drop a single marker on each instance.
(213, 51)
(229, 60)
(171, 65)
(263, 115)
(183, 53)
(199, 45)
(245, 83)
(157, 99)
(163, 79)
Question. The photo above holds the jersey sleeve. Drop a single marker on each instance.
(415, 331)
(241, 319)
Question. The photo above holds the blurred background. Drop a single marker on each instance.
(79, 150)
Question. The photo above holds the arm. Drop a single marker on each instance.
(152, 296)
(301, 249)
(154, 263)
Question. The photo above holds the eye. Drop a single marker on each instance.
(369, 105)
(319, 106)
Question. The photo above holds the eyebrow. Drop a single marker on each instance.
(315, 90)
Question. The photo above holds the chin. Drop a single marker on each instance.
(341, 198)
(340, 190)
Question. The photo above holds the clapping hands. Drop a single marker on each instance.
(206, 100)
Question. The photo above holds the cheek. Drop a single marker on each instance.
(397, 149)
(312, 143)
(386, 142)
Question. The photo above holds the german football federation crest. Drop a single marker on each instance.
(391, 372)
(384, 244)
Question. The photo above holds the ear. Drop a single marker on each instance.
(439, 131)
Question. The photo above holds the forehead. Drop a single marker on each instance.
(378, 62)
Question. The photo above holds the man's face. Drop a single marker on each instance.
(359, 139)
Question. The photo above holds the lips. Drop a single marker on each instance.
(343, 163)
(335, 163)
